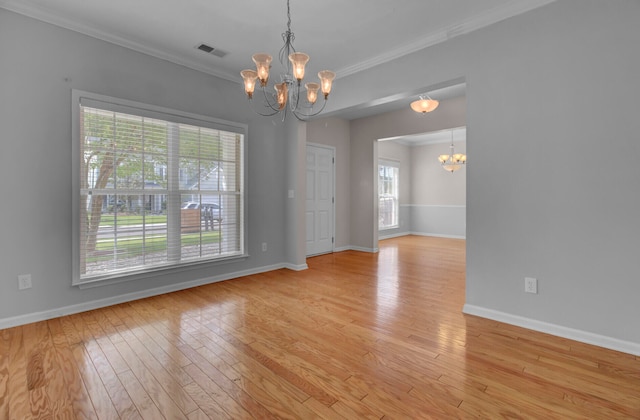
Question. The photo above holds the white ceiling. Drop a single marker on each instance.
(346, 36)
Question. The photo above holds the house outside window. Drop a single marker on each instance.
(388, 194)
(145, 182)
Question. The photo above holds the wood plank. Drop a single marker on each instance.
(17, 389)
(74, 384)
(357, 335)
(5, 345)
(167, 395)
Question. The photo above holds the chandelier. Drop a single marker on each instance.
(289, 88)
(424, 105)
(453, 161)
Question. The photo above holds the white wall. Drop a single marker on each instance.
(438, 197)
(40, 65)
(552, 104)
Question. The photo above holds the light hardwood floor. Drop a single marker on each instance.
(357, 335)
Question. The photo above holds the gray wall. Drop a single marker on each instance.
(364, 157)
(40, 65)
(552, 105)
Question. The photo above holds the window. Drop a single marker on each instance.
(388, 194)
(153, 188)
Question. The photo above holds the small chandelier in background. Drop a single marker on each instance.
(424, 105)
(453, 161)
(288, 90)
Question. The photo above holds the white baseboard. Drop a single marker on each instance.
(362, 249)
(437, 235)
(553, 329)
(355, 248)
(299, 267)
(341, 248)
(101, 303)
(393, 235)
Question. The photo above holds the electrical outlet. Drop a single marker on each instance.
(530, 285)
(24, 281)
(264, 247)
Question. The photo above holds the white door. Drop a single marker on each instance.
(320, 208)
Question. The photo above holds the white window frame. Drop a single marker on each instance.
(150, 111)
(395, 199)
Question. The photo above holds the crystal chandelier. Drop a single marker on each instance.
(289, 88)
(453, 161)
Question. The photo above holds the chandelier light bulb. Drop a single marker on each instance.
(281, 94)
(326, 80)
(312, 92)
(298, 61)
(249, 77)
(263, 63)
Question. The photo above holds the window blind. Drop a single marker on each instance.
(155, 189)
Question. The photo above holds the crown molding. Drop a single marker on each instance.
(482, 20)
(47, 16)
(474, 23)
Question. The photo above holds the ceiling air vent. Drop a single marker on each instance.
(209, 49)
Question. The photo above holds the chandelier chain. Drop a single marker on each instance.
(288, 37)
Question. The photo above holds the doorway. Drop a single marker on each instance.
(432, 201)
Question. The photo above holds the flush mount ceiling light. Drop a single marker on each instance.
(288, 90)
(453, 161)
(424, 104)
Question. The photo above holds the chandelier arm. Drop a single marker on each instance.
(269, 106)
(304, 117)
(260, 113)
(273, 106)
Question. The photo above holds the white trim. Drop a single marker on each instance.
(437, 235)
(450, 206)
(342, 249)
(485, 19)
(294, 267)
(356, 248)
(474, 23)
(553, 329)
(393, 235)
(114, 300)
(363, 249)
(47, 16)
